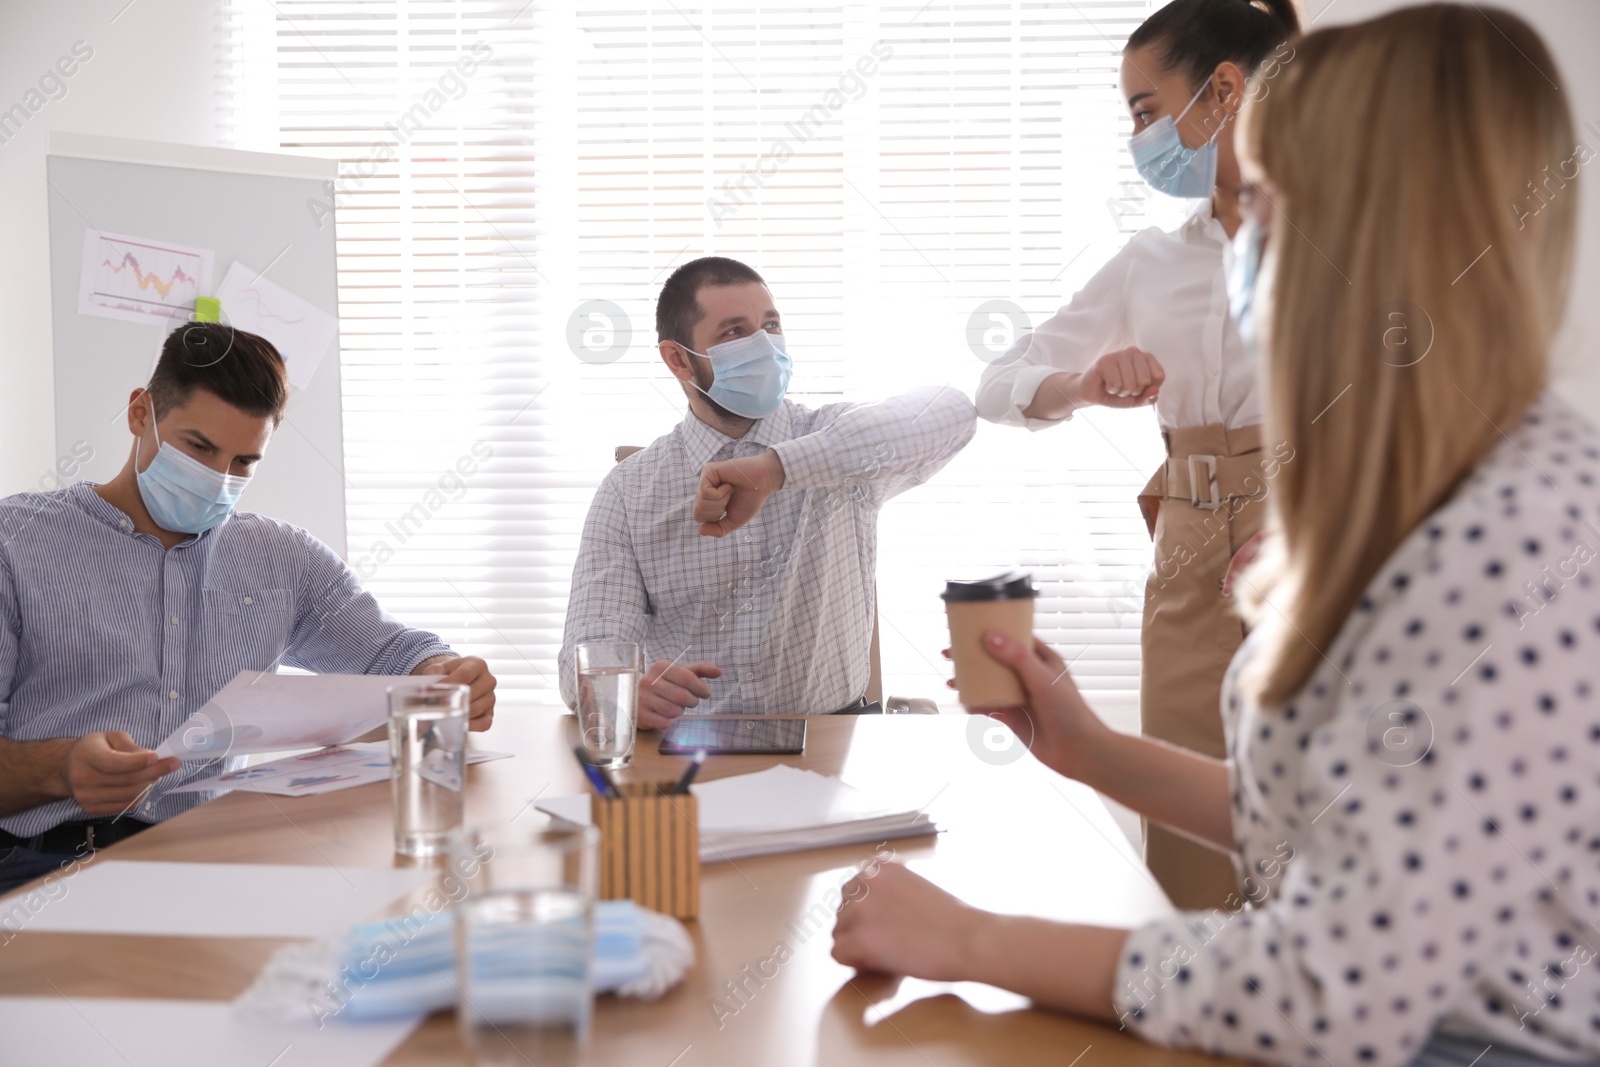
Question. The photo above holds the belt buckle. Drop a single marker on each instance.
(1211, 479)
(88, 837)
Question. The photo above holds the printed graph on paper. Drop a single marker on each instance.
(301, 331)
(139, 279)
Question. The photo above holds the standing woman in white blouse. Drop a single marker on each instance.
(1153, 327)
(1413, 789)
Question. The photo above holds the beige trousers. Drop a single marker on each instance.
(1202, 506)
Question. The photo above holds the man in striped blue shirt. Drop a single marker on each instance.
(125, 606)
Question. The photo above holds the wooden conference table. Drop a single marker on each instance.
(1017, 839)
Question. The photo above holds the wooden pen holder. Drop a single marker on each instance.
(650, 848)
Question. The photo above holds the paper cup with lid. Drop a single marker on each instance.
(1005, 603)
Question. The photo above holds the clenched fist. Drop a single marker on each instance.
(733, 490)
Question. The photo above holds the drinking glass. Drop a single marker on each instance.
(427, 765)
(525, 944)
(608, 700)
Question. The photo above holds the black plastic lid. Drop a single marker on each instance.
(1012, 585)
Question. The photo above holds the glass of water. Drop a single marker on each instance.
(427, 765)
(525, 943)
(608, 700)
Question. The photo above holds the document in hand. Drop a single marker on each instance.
(780, 809)
(260, 711)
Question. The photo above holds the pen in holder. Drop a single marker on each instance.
(650, 847)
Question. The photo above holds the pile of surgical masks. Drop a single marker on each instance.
(403, 968)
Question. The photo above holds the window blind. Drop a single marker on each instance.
(917, 181)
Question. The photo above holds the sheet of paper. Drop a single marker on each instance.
(324, 771)
(776, 799)
(58, 1031)
(221, 899)
(327, 770)
(573, 809)
(300, 331)
(260, 711)
(139, 279)
(783, 798)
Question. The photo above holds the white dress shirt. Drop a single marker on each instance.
(1165, 292)
(784, 605)
(1419, 827)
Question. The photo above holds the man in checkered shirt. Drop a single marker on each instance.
(740, 549)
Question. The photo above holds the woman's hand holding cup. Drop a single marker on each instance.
(1064, 731)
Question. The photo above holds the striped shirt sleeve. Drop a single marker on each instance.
(340, 629)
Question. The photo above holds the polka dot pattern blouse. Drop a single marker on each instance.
(1419, 829)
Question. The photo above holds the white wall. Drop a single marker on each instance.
(151, 76)
(1571, 28)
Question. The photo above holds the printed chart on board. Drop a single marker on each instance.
(139, 279)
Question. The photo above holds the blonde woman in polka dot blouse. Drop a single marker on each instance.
(1412, 798)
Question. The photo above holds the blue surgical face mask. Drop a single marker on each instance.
(749, 374)
(1161, 159)
(184, 495)
(1249, 245)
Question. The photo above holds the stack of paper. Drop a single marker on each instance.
(781, 809)
(785, 809)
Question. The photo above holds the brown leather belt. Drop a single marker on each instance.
(1208, 465)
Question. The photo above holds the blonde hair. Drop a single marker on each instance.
(1418, 268)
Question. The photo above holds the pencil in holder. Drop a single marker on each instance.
(650, 848)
